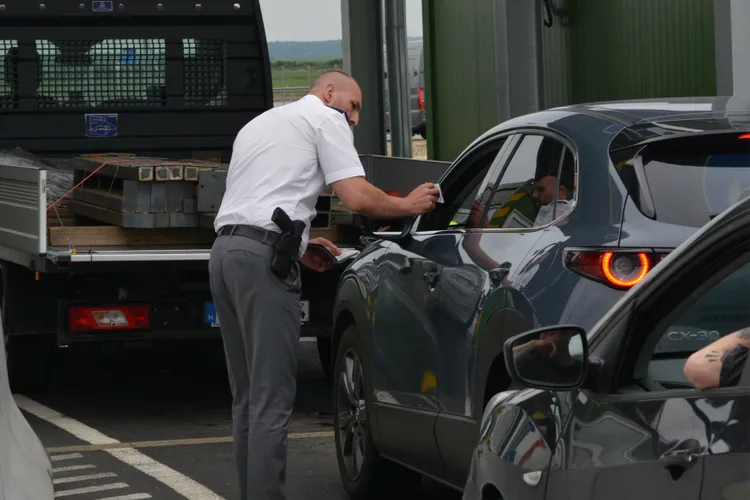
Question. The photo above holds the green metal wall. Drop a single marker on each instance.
(624, 49)
(598, 50)
(459, 73)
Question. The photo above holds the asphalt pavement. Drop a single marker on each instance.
(156, 423)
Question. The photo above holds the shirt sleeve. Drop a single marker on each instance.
(732, 365)
(336, 153)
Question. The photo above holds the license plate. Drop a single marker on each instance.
(212, 318)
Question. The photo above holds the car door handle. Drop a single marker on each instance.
(431, 278)
(498, 274)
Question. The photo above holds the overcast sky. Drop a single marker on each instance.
(303, 20)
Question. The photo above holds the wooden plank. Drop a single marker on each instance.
(96, 236)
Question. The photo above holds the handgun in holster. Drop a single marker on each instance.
(286, 248)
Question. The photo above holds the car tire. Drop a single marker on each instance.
(365, 474)
(29, 362)
(324, 354)
(421, 130)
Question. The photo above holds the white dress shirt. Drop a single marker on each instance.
(284, 158)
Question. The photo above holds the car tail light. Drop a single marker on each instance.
(86, 319)
(745, 136)
(420, 99)
(620, 269)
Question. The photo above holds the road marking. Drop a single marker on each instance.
(190, 489)
(90, 489)
(72, 468)
(133, 496)
(174, 442)
(88, 477)
(69, 456)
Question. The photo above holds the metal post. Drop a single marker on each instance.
(398, 83)
(283, 86)
(362, 44)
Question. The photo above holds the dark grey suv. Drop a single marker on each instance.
(548, 218)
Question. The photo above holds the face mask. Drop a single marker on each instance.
(342, 112)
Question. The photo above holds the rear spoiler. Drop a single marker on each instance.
(173, 78)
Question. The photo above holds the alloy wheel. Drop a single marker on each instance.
(352, 414)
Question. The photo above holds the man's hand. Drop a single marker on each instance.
(317, 262)
(475, 214)
(423, 199)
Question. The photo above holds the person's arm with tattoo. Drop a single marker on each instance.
(704, 367)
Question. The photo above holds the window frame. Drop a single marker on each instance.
(509, 139)
(520, 134)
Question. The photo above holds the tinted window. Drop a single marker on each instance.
(537, 186)
(722, 310)
(688, 181)
(462, 188)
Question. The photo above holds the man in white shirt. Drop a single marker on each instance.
(284, 158)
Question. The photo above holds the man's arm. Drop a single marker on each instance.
(363, 198)
(703, 368)
(343, 171)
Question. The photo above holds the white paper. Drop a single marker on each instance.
(440, 194)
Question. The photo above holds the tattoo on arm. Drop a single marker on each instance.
(713, 356)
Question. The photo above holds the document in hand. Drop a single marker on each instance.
(323, 252)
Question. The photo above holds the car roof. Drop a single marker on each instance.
(639, 120)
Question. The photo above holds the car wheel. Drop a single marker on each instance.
(365, 474)
(30, 363)
(324, 354)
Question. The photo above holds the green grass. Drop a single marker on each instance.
(295, 72)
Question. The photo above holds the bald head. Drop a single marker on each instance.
(339, 90)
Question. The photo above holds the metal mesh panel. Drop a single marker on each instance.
(204, 72)
(9, 80)
(110, 73)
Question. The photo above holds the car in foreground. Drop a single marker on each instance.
(548, 218)
(25, 469)
(611, 414)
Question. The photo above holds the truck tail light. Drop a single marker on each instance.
(420, 99)
(621, 269)
(86, 319)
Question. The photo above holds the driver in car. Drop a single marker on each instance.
(720, 363)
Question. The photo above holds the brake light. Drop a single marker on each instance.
(620, 269)
(745, 136)
(420, 99)
(84, 319)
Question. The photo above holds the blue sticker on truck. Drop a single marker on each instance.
(101, 125)
(102, 6)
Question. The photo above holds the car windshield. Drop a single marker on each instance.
(688, 182)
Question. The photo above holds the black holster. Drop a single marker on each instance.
(286, 248)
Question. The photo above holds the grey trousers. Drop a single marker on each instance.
(259, 316)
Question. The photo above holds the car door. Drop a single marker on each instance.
(487, 304)
(652, 435)
(409, 315)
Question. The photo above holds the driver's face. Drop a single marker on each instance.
(544, 191)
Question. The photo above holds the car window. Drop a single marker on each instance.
(711, 172)
(537, 186)
(723, 309)
(465, 183)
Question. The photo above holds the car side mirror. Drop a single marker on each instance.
(392, 230)
(553, 358)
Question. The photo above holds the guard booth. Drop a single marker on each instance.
(170, 79)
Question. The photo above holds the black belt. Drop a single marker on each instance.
(253, 232)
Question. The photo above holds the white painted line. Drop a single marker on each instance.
(90, 489)
(133, 496)
(87, 477)
(185, 486)
(69, 456)
(72, 468)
